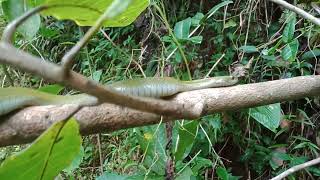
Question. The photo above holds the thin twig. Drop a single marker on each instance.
(215, 64)
(297, 168)
(299, 11)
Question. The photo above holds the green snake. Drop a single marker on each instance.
(13, 98)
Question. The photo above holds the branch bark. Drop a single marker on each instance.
(29, 123)
(297, 168)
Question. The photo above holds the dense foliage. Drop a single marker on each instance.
(257, 142)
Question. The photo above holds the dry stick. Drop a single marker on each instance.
(27, 124)
(11, 56)
(297, 168)
(299, 11)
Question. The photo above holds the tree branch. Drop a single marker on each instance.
(299, 11)
(11, 56)
(27, 124)
(52, 72)
(297, 168)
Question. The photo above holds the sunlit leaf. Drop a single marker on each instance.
(289, 53)
(47, 156)
(269, 116)
(185, 174)
(288, 32)
(52, 89)
(152, 141)
(248, 49)
(182, 28)
(187, 134)
(86, 12)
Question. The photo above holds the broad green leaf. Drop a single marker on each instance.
(200, 163)
(186, 174)
(195, 20)
(152, 140)
(289, 53)
(269, 116)
(47, 156)
(52, 89)
(195, 39)
(15, 8)
(230, 23)
(86, 12)
(248, 49)
(288, 32)
(311, 54)
(76, 162)
(182, 28)
(187, 134)
(223, 174)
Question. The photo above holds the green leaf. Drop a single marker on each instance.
(47, 156)
(269, 116)
(214, 10)
(152, 140)
(195, 39)
(201, 163)
(195, 20)
(225, 175)
(15, 8)
(288, 32)
(182, 28)
(52, 89)
(248, 49)
(311, 54)
(230, 23)
(186, 174)
(187, 134)
(96, 76)
(75, 164)
(222, 173)
(86, 12)
(289, 53)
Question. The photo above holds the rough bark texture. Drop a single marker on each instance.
(29, 123)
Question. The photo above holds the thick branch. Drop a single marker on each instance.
(29, 123)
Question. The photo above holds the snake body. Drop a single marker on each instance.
(13, 98)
